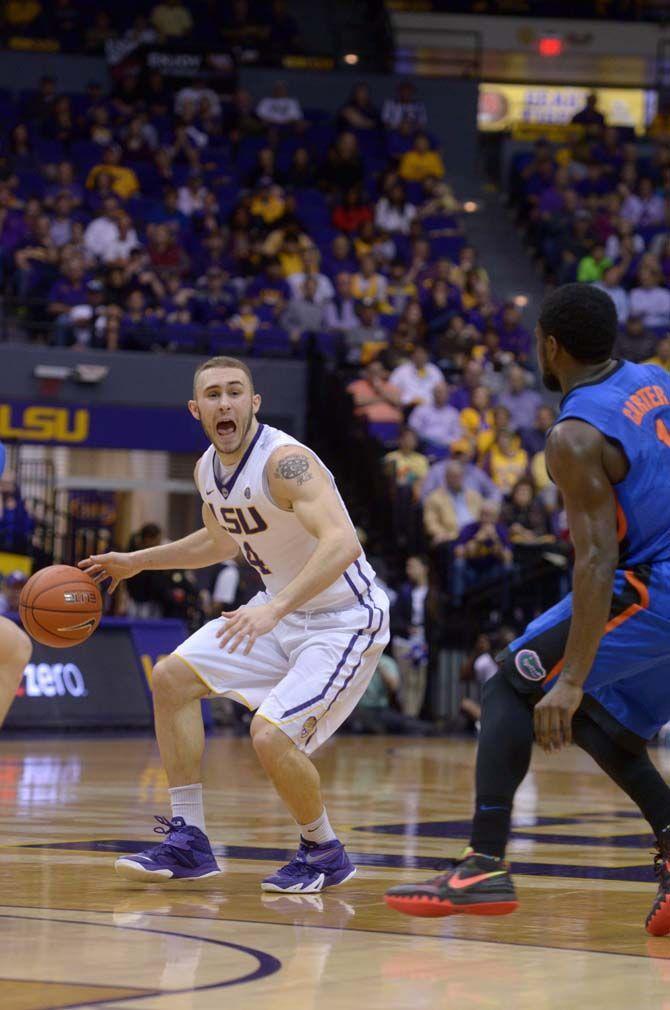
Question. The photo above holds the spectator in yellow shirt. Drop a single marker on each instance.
(124, 181)
(507, 461)
(408, 467)
(21, 13)
(662, 356)
(421, 163)
(172, 19)
(486, 438)
(268, 204)
(478, 417)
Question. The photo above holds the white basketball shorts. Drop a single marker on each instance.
(307, 675)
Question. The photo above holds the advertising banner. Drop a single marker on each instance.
(508, 106)
(99, 684)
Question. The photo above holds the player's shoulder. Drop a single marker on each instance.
(289, 449)
(572, 442)
(293, 465)
(201, 465)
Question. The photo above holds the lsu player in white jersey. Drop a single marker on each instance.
(15, 649)
(300, 654)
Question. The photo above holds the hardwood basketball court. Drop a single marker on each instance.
(75, 935)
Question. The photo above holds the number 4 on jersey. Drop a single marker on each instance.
(254, 559)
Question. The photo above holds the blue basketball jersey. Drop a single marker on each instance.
(631, 406)
(3, 455)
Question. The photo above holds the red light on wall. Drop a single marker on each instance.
(550, 45)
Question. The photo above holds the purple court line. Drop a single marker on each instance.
(642, 872)
(311, 925)
(267, 963)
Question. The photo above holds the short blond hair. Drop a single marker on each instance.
(222, 361)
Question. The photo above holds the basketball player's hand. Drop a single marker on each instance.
(246, 623)
(553, 716)
(114, 566)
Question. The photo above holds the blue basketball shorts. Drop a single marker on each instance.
(628, 688)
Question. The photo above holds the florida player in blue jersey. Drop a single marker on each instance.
(595, 669)
(15, 649)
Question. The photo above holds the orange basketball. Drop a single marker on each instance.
(60, 606)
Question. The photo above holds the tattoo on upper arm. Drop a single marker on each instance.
(295, 467)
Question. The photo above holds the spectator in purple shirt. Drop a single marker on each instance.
(514, 337)
(270, 289)
(533, 439)
(338, 258)
(340, 314)
(64, 182)
(482, 553)
(522, 402)
(437, 424)
(13, 227)
(70, 288)
(217, 300)
(472, 377)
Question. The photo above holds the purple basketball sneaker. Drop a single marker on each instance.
(313, 868)
(184, 855)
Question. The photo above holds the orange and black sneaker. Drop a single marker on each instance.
(658, 920)
(476, 885)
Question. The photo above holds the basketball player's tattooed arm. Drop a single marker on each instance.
(297, 482)
(575, 460)
(296, 467)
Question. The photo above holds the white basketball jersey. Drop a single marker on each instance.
(272, 539)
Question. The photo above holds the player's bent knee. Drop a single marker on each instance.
(173, 683)
(268, 740)
(15, 650)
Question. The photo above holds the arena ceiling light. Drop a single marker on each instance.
(351, 59)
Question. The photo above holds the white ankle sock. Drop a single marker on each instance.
(186, 802)
(318, 831)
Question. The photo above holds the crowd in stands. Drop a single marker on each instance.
(597, 210)
(265, 27)
(629, 10)
(147, 220)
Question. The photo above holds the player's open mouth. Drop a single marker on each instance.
(225, 427)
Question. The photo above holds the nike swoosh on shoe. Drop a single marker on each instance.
(458, 883)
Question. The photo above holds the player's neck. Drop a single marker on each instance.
(581, 374)
(229, 459)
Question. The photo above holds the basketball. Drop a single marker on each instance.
(60, 606)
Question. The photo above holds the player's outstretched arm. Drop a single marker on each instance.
(296, 481)
(575, 460)
(206, 546)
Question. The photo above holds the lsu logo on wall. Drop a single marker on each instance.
(44, 424)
